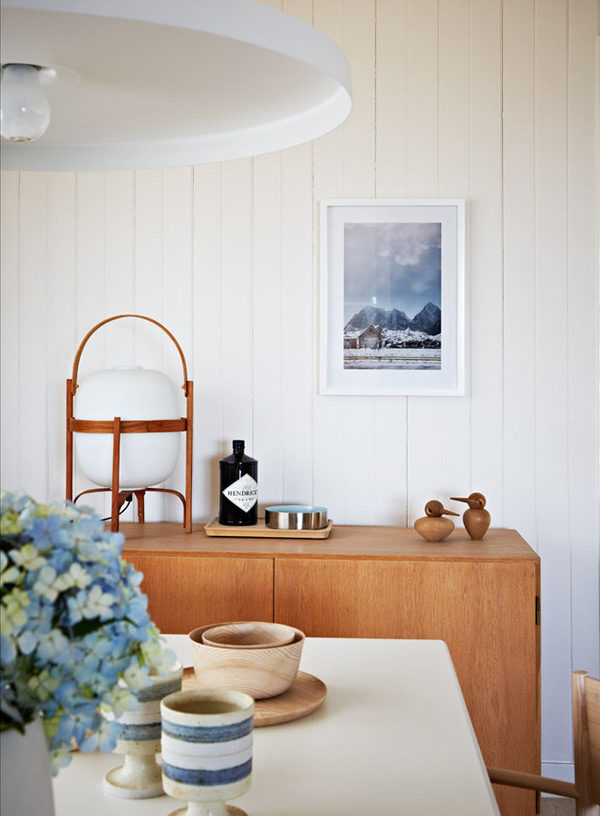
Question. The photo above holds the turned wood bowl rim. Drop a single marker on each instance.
(196, 637)
(268, 635)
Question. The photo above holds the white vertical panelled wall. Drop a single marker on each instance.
(490, 100)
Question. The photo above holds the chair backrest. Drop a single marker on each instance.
(586, 736)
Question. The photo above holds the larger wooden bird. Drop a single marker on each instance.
(476, 519)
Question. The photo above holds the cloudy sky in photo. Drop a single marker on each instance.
(391, 266)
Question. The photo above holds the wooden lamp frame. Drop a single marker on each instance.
(116, 427)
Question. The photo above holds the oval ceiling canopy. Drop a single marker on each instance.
(159, 83)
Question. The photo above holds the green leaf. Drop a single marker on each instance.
(84, 627)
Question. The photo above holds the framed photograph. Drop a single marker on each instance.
(392, 297)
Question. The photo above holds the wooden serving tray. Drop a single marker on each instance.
(260, 530)
(304, 696)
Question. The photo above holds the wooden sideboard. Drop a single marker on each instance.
(481, 597)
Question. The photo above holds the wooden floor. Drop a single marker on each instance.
(558, 807)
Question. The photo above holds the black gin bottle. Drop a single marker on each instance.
(239, 489)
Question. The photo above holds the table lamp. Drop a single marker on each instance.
(124, 425)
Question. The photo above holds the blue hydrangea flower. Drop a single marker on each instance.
(75, 635)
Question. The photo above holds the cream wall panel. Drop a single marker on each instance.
(519, 268)
(237, 305)
(119, 290)
(90, 291)
(359, 128)
(356, 475)
(297, 303)
(208, 329)
(177, 266)
(267, 323)
(329, 440)
(551, 315)
(148, 254)
(453, 182)
(91, 283)
(391, 114)
(422, 97)
(9, 328)
(485, 262)
(33, 380)
(177, 296)
(487, 100)
(119, 266)
(582, 236)
(298, 370)
(390, 431)
(298, 325)
(61, 272)
(422, 103)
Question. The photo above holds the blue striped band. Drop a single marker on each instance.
(158, 690)
(216, 733)
(198, 776)
(139, 733)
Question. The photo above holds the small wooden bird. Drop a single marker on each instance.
(433, 527)
(476, 519)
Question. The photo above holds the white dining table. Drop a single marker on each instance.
(393, 738)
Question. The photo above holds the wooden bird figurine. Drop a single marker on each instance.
(433, 527)
(476, 519)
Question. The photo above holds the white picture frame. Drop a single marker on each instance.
(407, 256)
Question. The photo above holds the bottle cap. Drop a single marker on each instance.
(238, 445)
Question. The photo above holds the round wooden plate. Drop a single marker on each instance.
(231, 811)
(304, 696)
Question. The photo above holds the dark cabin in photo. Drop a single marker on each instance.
(370, 338)
(351, 339)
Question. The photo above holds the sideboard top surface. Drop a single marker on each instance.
(167, 538)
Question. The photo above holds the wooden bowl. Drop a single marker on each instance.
(261, 673)
(248, 635)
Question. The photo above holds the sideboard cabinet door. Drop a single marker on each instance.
(484, 611)
(188, 591)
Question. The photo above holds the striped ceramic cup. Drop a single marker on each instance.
(139, 740)
(206, 748)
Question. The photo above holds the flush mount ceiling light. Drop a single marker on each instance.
(159, 83)
(25, 108)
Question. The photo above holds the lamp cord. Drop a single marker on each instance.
(128, 501)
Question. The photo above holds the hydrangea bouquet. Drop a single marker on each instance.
(75, 637)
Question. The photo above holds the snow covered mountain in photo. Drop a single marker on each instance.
(428, 321)
(409, 338)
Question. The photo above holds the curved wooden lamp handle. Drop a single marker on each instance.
(118, 317)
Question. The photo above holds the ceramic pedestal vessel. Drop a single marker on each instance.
(207, 749)
(26, 784)
(139, 777)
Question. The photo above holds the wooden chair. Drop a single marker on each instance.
(586, 745)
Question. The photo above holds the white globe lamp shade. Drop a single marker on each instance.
(131, 393)
(25, 112)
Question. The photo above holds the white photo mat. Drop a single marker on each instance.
(449, 378)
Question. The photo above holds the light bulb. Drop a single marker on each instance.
(25, 110)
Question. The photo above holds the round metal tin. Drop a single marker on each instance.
(295, 517)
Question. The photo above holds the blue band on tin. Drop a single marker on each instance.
(139, 733)
(216, 733)
(158, 690)
(196, 776)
